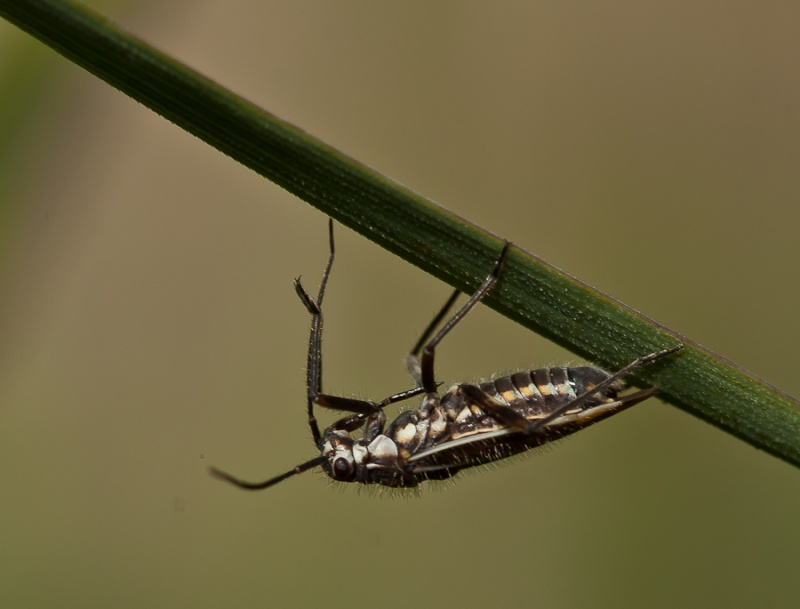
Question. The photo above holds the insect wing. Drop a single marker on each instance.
(492, 445)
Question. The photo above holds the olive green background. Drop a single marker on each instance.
(149, 327)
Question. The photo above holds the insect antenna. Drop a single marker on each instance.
(257, 486)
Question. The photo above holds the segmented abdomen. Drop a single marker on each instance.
(537, 392)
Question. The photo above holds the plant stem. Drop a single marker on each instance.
(530, 291)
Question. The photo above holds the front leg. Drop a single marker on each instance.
(373, 425)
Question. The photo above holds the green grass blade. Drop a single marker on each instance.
(530, 291)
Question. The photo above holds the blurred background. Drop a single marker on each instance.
(150, 329)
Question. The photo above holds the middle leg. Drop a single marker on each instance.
(422, 368)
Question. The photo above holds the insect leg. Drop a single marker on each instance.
(424, 367)
(314, 369)
(362, 408)
(413, 358)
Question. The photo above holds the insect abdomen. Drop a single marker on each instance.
(540, 391)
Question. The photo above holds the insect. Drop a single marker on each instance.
(468, 425)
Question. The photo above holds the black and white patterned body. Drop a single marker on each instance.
(458, 431)
(467, 426)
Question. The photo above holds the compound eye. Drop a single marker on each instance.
(342, 469)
